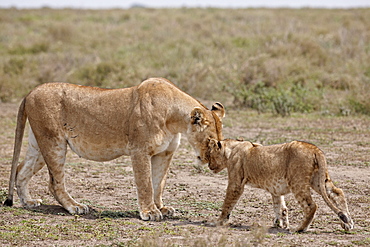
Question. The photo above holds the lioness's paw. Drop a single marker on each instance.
(221, 222)
(167, 211)
(154, 215)
(278, 223)
(32, 203)
(299, 230)
(78, 208)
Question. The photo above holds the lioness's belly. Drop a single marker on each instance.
(97, 151)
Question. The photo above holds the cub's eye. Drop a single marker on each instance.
(199, 158)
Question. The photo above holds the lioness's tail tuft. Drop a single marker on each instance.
(8, 202)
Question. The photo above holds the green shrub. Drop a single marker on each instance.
(278, 100)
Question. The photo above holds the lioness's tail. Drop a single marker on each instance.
(323, 177)
(19, 132)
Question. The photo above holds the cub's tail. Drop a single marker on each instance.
(327, 186)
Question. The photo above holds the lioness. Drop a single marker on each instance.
(144, 122)
(279, 169)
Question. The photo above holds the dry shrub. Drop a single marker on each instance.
(64, 32)
(213, 54)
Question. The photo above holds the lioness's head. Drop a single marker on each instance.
(205, 125)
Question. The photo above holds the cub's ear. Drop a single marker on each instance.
(219, 144)
(198, 120)
(219, 109)
(215, 144)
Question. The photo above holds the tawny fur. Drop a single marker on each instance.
(144, 122)
(279, 169)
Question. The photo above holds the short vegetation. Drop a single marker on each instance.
(271, 60)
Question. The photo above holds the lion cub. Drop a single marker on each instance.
(279, 169)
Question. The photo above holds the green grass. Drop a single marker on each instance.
(272, 60)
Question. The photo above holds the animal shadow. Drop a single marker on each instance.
(93, 213)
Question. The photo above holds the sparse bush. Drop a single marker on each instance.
(306, 59)
(279, 101)
(360, 105)
(62, 32)
(32, 49)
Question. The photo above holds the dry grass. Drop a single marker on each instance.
(196, 193)
(278, 60)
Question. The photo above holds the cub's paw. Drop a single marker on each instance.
(77, 208)
(347, 226)
(281, 223)
(31, 203)
(167, 211)
(154, 215)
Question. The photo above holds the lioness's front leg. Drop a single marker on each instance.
(141, 165)
(160, 165)
(233, 192)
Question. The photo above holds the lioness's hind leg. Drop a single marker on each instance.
(309, 208)
(281, 212)
(32, 163)
(29, 167)
(55, 159)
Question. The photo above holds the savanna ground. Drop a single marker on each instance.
(282, 74)
(196, 193)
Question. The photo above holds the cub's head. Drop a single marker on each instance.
(216, 155)
(205, 125)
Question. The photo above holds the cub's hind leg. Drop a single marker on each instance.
(309, 207)
(281, 212)
(32, 163)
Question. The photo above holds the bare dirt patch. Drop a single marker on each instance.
(196, 193)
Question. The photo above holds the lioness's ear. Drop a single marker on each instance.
(198, 120)
(219, 109)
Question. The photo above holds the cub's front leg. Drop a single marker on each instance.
(281, 212)
(233, 192)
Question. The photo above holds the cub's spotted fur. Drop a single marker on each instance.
(279, 169)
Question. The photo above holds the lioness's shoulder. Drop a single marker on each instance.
(157, 81)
